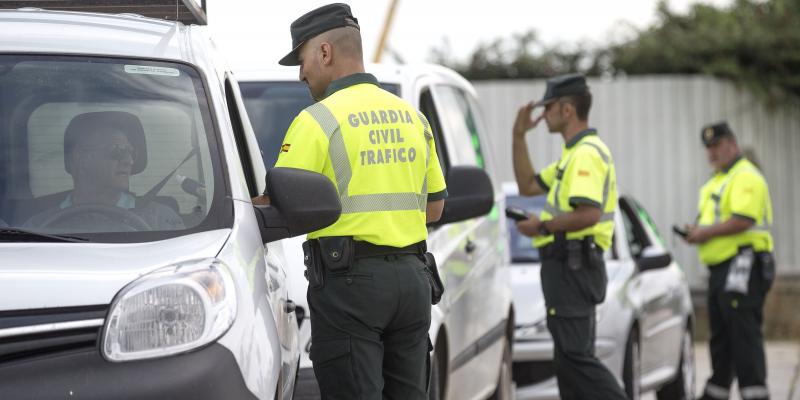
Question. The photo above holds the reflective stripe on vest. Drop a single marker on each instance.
(337, 151)
(760, 226)
(556, 212)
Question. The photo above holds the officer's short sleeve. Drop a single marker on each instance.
(305, 145)
(586, 174)
(748, 194)
(437, 188)
(547, 176)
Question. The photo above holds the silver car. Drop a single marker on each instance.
(134, 264)
(644, 329)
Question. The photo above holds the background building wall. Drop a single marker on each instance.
(652, 125)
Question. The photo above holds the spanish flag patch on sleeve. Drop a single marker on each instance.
(285, 147)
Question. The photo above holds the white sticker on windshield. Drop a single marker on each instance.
(148, 70)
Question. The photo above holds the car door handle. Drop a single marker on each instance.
(470, 247)
(289, 307)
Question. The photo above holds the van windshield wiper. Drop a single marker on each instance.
(23, 235)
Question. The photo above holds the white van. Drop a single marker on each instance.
(472, 327)
(134, 263)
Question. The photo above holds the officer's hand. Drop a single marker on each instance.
(529, 227)
(524, 122)
(696, 234)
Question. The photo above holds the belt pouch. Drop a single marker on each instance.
(738, 278)
(574, 254)
(337, 252)
(594, 257)
(312, 260)
(437, 288)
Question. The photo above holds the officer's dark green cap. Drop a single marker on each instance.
(563, 85)
(711, 133)
(313, 23)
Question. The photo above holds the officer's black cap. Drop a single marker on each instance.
(313, 23)
(711, 133)
(563, 85)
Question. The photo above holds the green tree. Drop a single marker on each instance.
(753, 43)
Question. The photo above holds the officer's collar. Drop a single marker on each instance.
(577, 138)
(732, 164)
(350, 80)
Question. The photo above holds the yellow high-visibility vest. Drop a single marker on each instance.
(740, 191)
(379, 153)
(583, 175)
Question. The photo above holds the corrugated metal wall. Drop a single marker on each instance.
(652, 125)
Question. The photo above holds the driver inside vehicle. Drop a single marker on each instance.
(102, 150)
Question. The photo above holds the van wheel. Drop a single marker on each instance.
(503, 390)
(632, 370)
(682, 387)
(436, 385)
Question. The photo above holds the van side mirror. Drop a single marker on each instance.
(300, 202)
(470, 195)
(653, 257)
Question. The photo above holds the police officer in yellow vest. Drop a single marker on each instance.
(572, 232)
(369, 290)
(734, 241)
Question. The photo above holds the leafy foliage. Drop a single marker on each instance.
(752, 42)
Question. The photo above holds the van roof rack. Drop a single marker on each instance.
(185, 11)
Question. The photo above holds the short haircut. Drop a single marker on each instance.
(582, 104)
(346, 40)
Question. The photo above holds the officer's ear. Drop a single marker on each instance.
(326, 53)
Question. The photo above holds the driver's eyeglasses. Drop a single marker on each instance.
(116, 152)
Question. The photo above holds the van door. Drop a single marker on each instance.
(660, 320)
(480, 300)
(268, 273)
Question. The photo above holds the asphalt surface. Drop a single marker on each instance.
(783, 371)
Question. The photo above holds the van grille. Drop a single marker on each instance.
(34, 333)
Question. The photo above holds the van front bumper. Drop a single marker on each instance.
(208, 373)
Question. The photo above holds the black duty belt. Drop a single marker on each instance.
(367, 249)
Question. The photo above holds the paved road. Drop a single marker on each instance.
(783, 360)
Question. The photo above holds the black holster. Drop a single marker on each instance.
(313, 261)
(338, 252)
(437, 287)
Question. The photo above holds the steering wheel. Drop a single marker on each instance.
(115, 214)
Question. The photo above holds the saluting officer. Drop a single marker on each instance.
(572, 232)
(369, 291)
(736, 245)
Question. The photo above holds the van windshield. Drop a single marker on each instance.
(111, 150)
(272, 107)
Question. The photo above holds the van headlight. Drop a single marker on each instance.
(171, 310)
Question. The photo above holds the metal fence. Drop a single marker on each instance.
(652, 125)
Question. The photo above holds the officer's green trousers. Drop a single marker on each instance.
(570, 295)
(369, 330)
(736, 345)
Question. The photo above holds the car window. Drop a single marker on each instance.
(461, 129)
(635, 242)
(102, 146)
(272, 106)
(649, 225)
(428, 108)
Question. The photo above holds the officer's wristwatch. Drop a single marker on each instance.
(543, 231)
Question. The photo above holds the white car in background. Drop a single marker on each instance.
(472, 326)
(644, 327)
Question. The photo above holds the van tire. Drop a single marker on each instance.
(505, 386)
(631, 370)
(435, 387)
(683, 386)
